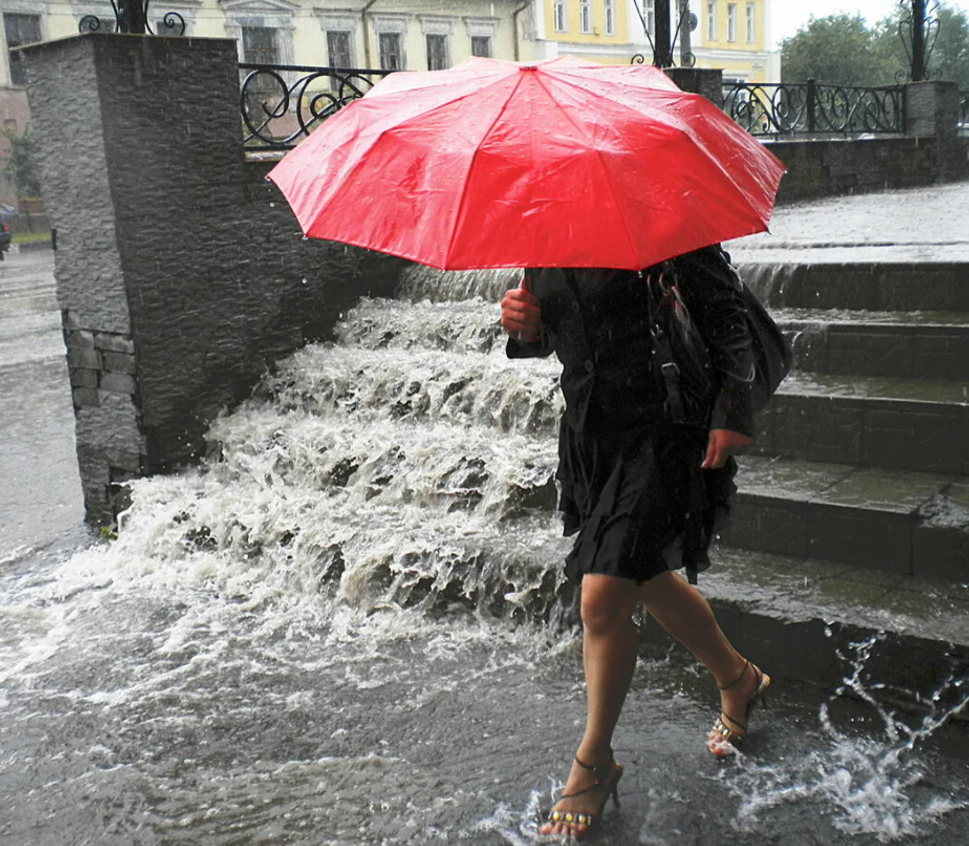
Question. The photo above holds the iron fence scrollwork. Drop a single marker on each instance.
(282, 103)
(785, 109)
(131, 16)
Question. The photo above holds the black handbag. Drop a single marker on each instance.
(682, 361)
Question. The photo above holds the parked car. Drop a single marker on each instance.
(6, 212)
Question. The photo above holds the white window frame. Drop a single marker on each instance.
(340, 23)
(560, 16)
(391, 24)
(609, 16)
(482, 28)
(441, 26)
(650, 11)
(731, 22)
(585, 17)
(751, 21)
(711, 20)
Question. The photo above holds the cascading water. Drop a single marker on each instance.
(349, 626)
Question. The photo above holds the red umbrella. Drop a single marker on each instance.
(561, 163)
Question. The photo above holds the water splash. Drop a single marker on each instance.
(870, 783)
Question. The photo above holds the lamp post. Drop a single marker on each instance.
(918, 40)
(132, 16)
(918, 30)
(663, 47)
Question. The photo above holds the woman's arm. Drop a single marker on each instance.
(712, 293)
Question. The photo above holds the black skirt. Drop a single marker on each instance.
(638, 501)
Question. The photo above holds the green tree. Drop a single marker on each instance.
(837, 50)
(22, 167)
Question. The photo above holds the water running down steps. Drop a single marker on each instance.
(306, 639)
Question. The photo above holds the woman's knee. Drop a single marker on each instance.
(607, 602)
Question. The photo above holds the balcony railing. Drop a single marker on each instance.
(283, 103)
(808, 108)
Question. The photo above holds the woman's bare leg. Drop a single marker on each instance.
(684, 612)
(609, 656)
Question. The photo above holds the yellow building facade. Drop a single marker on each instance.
(733, 35)
(424, 34)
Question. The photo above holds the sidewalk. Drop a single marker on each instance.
(915, 225)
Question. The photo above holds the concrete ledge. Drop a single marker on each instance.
(811, 621)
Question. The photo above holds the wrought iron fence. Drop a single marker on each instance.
(786, 109)
(282, 103)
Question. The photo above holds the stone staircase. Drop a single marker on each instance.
(852, 519)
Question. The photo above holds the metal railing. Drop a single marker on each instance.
(283, 103)
(806, 108)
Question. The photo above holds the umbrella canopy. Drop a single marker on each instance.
(561, 163)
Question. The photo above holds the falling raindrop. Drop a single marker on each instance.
(272, 205)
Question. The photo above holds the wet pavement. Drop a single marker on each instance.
(915, 225)
(158, 704)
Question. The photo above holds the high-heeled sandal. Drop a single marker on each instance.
(723, 738)
(610, 786)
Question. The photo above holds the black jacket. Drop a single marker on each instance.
(596, 322)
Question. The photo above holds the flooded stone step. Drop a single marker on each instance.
(809, 619)
(876, 286)
(904, 424)
(901, 522)
(917, 345)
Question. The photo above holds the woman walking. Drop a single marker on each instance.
(642, 495)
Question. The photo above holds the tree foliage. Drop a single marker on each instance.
(22, 167)
(842, 50)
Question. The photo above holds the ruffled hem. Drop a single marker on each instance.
(638, 502)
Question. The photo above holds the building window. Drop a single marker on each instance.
(711, 21)
(391, 56)
(585, 16)
(731, 22)
(561, 15)
(437, 51)
(481, 46)
(751, 23)
(609, 13)
(259, 45)
(651, 17)
(338, 49)
(20, 30)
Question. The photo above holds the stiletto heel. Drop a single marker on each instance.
(724, 738)
(610, 786)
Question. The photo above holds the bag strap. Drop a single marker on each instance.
(663, 349)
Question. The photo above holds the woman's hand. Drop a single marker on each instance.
(521, 316)
(721, 444)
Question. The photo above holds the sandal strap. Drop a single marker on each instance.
(739, 678)
(610, 767)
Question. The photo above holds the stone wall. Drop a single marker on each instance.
(180, 273)
(835, 168)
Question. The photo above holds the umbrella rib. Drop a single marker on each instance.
(699, 147)
(459, 211)
(612, 190)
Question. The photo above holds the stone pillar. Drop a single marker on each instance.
(181, 277)
(707, 82)
(932, 108)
